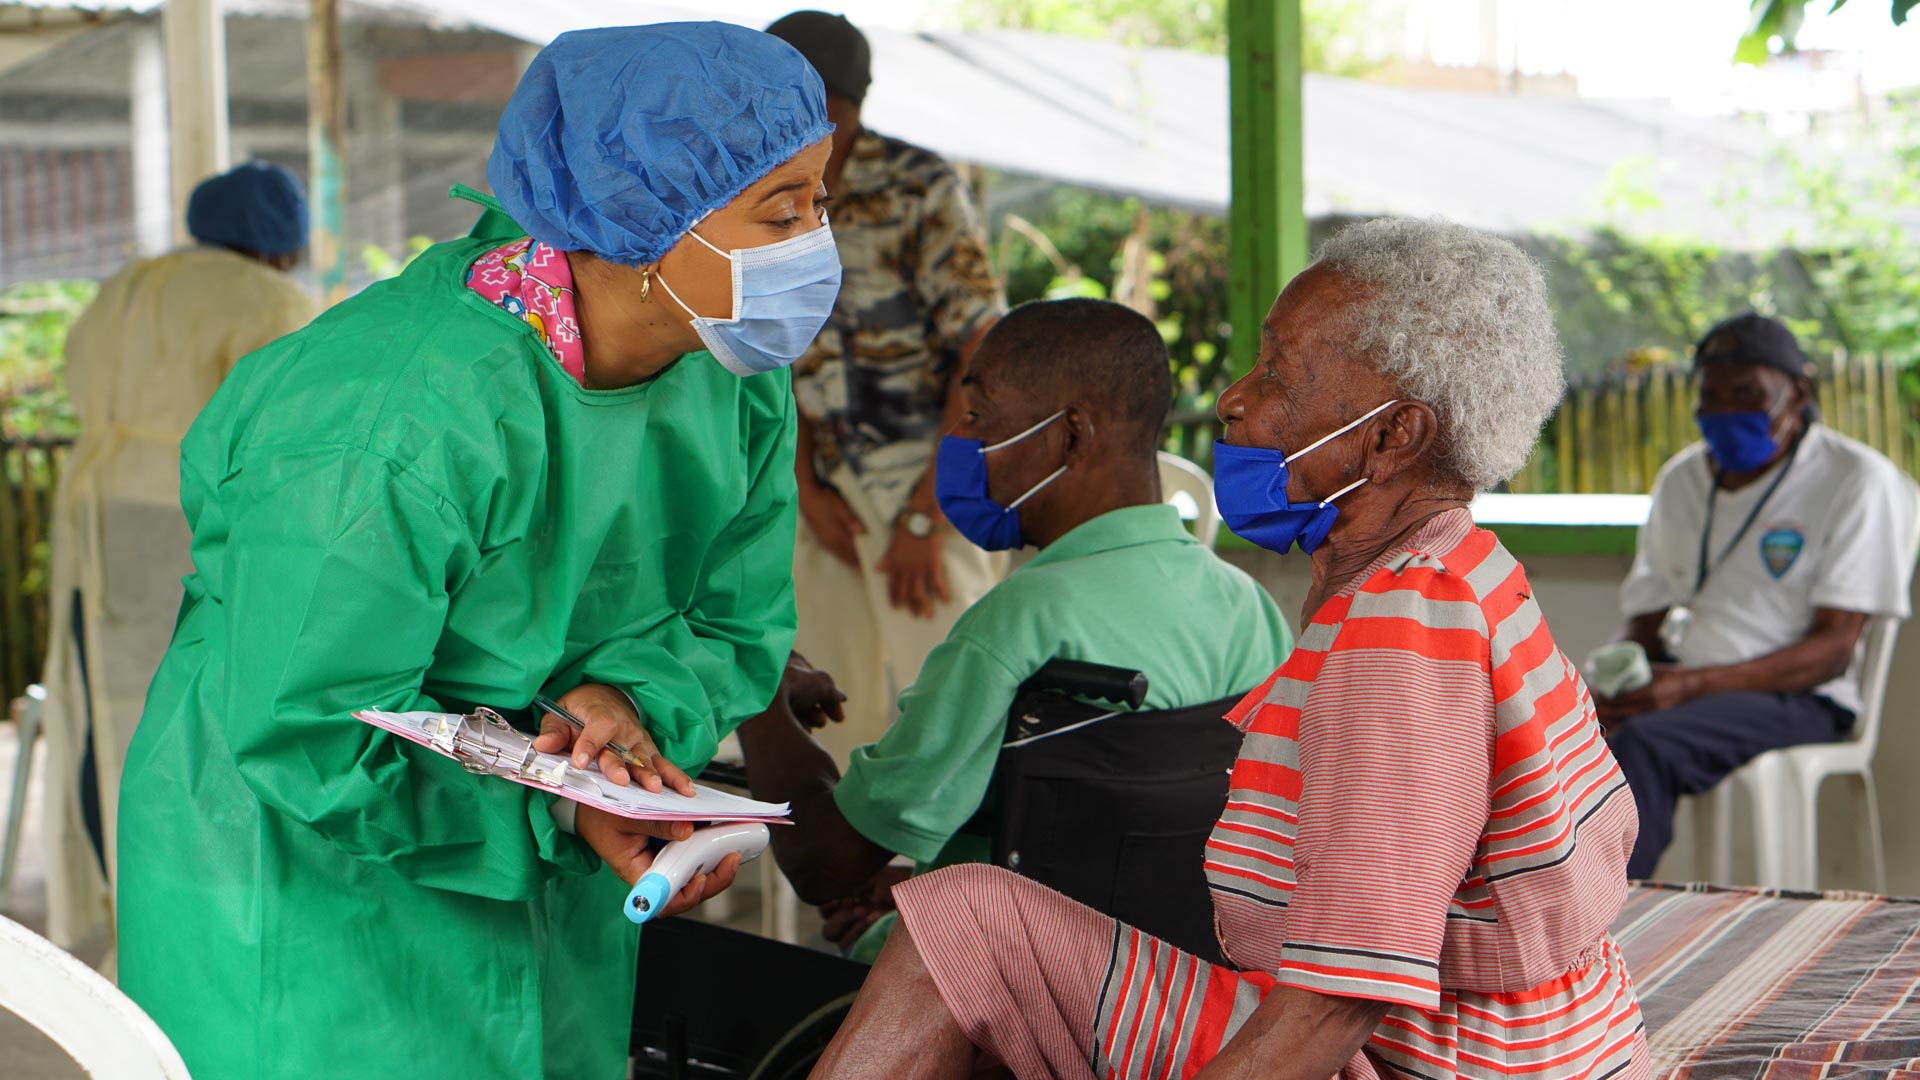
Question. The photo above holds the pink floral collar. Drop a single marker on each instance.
(533, 281)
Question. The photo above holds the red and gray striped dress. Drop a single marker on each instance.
(1423, 813)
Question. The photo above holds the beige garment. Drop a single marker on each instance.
(850, 630)
(141, 362)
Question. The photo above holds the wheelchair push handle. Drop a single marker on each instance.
(1081, 679)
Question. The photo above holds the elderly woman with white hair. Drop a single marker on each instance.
(1425, 838)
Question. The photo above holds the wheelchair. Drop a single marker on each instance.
(1108, 805)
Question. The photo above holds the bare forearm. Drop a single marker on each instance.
(1799, 667)
(1644, 630)
(803, 454)
(1296, 1035)
(822, 855)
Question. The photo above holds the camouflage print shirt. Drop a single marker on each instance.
(916, 287)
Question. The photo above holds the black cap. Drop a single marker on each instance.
(1753, 339)
(835, 47)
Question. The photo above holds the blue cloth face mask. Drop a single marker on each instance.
(1740, 441)
(1250, 485)
(782, 295)
(960, 482)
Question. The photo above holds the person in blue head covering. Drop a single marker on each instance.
(555, 456)
(257, 209)
(141, 362)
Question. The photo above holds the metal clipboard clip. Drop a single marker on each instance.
(486, 745)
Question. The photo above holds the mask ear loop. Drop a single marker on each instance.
(1328, 501)
(733, 272)
(1325, 439)
(1035, 489)
(691, 314)
(1009, 442)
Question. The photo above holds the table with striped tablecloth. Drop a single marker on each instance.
(1743, 983)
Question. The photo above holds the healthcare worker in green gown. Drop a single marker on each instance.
(418, 502)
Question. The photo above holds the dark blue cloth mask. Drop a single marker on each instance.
(1250, 485)
(1740, 441)
(960, 482)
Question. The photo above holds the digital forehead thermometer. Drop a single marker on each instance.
(680, 860)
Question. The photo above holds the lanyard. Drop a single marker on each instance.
(1706, 533)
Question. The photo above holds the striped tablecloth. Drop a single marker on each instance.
(1748, 983)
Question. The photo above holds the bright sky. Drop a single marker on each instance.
(1676, 49)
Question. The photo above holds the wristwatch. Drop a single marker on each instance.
(919, 525)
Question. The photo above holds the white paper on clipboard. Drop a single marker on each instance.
(486, 745)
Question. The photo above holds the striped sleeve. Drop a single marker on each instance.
(1396, 745)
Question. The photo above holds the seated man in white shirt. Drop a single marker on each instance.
(1768, 548)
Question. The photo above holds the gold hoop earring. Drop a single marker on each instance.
(646, 283)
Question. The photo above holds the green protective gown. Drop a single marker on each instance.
(410, 505)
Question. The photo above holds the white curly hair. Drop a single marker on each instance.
(1460, 319)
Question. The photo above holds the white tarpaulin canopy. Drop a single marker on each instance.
(1154, 122)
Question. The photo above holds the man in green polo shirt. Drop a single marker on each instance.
(1067, 399)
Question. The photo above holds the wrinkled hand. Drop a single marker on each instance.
(622, 843)
(849, 918)
(810, 694)
(915, 578)
(1671, 687)
(833, 522)
(609, 717)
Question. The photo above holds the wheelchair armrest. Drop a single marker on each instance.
(726, 774)
(1078, 678)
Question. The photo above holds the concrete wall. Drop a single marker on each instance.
(1579, 595)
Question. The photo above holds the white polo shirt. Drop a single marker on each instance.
(1836, 533)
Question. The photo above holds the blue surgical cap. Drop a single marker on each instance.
(258, 207)
(618, 140)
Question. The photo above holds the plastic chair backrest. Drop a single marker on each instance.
(1114, 808)
(1188, 487)
(1876, 658)
(1876, 664)
(84, 1014)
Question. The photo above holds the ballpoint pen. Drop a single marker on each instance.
(547, 704)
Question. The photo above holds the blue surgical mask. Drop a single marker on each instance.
(782, 295)
(1740, 441)
(1250, 485)
(960, 481)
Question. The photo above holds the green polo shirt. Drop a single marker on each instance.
(1130, 588)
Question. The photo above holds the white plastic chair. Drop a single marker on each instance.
(32, 710)
(1783, 788)
(1188, 487)
(84, 1014)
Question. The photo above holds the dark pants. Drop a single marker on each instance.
(1687, 750)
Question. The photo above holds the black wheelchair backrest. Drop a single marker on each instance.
(1114, 807)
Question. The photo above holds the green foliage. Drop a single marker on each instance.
(1671, 289)
(1776, 26)
(1859, 253)
(381, 264)
(34, 318)
(1073, 243)
(1850, 281)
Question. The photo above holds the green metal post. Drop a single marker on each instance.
(1266, 220)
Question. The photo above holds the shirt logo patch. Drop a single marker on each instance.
(1779, 548)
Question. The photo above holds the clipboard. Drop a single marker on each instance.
(486, 745)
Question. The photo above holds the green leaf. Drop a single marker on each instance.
(1901, 8)
(1753, 49)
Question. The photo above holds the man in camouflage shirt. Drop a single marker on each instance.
(879, 576)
